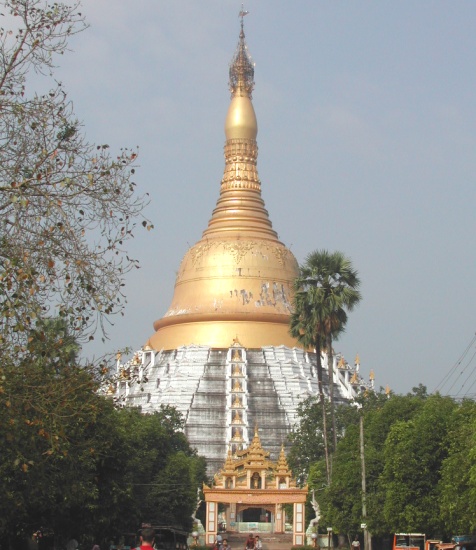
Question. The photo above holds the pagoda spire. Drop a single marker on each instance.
(240, 208)
(282, 467)
(242, 69)
(237, 280)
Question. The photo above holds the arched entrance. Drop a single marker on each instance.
(256, 514)
(251, 514)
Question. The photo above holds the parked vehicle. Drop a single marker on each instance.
(464, 541)
(446, 546)
(168, 537)
(431, 544)
(409, 541)
(460, 542)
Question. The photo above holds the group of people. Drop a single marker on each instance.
(253, 543)
(221, 543)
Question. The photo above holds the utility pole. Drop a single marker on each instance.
(367, 539)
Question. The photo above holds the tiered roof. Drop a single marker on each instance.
(253, 463)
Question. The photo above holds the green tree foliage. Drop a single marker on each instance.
(342, 500)
(414, 451)
(74, 463)
(136, 475)
(173, 492)
(307, 459)
(457, 497)
(420, 461)
(381, 412)
(48, 412)
(307, 442)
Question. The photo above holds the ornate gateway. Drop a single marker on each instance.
(249, 479)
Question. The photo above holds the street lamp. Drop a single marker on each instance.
(329, 536)
(195, 538)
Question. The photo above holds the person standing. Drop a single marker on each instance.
(258, 543)
(147, 536)
(356, 543)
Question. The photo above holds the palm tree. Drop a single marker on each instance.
(326, 288)
(304, 326)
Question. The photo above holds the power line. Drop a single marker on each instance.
(469, 376)
(456, 374)
(461, 374)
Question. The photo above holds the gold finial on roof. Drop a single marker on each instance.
(357, 360)
(242, 14)
(228, 466)
(371, 375)
(242, 67)
(354, 379)
(341, 363)
(387, 390)
(255, 447)
(282, 467)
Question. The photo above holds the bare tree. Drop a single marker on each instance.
(67, 207)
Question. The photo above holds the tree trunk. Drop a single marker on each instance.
(323, 405)
(330, 364)
(367, 537)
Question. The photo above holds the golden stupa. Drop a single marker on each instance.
(222, 355)
(236, 281)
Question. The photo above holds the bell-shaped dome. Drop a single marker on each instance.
(237, 280)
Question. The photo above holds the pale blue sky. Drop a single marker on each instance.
(367, 137)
